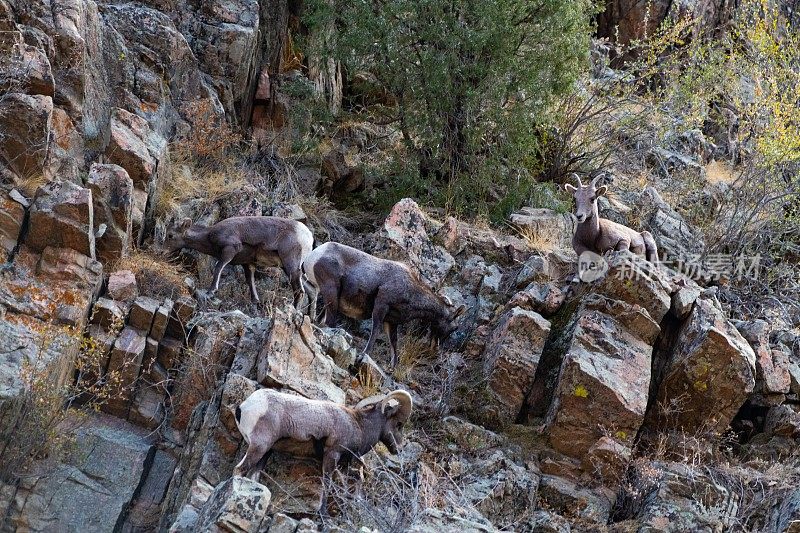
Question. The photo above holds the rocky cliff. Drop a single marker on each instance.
(632, 402)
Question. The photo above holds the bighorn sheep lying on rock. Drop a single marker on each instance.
(248, 241)
(361, 286)
(600, 235)
(343, 432)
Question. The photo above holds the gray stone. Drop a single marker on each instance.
(709, 375)
(604, 378)
(574, 501)
(123, 367)
(510, 361)
(92, 489)
(239, 504)
(112, 197)
(161, 320)
(122, 286)
(62, 216)
(406, 226)
(142, 312)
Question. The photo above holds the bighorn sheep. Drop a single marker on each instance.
(361, 286)
(599, 235)
(342, 433)
(248, 241)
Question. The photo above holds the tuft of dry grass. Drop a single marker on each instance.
(156, 276)
(196, 179)
(540, 241)
(28, 185)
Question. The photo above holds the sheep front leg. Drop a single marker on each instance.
(379, 312)
(622, 245)
(329, 461)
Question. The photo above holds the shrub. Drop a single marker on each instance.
(473, 81)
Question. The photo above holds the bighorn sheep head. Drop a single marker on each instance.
(585, 197)
(175, 238)
(396, 408)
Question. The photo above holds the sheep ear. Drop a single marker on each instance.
(570, 188)
(185, 224)
(601, 191)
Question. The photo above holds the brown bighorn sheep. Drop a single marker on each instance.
(248, 241)
(600, 235)
(343, 433)
(361, 286)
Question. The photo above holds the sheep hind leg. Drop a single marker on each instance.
(651, 250)
(247, 467)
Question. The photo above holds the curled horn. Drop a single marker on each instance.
(598, 178)
(578, 179)
(401, 398)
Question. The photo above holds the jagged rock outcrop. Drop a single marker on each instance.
(509, 364)
(604, 377)
(407, 227)
(707, 376)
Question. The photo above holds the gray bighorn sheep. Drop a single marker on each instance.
(248, 241)
(599, 235)
(361, 286)
(341, 433)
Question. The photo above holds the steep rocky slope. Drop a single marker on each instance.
(629, 403)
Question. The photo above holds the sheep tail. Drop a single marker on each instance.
(238, 415)
(651, 250)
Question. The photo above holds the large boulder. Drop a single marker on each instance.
(238, 504)
(707, 376)
(604, 375)
(772, 363)
(25, 123)
(545, 229)
(112, 197)
(291, 357)
(91, 489)
(677, 240)
(407, 226)
(632, 279)
(500, 489)
(130, 147)
(62, 216)
(509, 363)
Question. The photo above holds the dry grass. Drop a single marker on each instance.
(28, 185)
(540, 241)
(156, 276)
(196, 179)
(413, 353)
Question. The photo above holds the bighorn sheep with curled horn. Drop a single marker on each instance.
(342, 433)
(361, 286)
(248, 241)
(600, 235)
